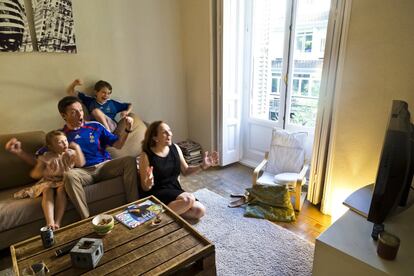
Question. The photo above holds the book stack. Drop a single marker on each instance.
(191, 151)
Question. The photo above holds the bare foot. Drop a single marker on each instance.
(54, 226)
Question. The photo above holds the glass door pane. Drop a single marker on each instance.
(308, 47)
(268, 59)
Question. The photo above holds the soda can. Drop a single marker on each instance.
(47, 236)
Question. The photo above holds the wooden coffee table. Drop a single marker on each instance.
(172, 247)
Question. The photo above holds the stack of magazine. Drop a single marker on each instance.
(191, 151)
(137, 214)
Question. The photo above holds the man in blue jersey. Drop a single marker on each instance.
(93, 138)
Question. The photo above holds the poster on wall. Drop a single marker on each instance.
(54, 26)
(14, 29)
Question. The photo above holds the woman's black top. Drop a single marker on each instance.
(166, 171)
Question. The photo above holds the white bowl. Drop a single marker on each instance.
(103, 224)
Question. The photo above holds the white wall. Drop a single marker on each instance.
(136, 45)
(378, 68)
(197, 43)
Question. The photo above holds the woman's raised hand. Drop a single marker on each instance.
(149, 177)
(210, 160)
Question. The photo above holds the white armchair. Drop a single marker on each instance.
(285, 164)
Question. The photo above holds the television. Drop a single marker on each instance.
(396, 167)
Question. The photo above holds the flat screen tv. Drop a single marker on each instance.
(396, 167)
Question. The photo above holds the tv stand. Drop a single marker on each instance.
(346, 247)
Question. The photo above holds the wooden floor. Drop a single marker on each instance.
(236, 178)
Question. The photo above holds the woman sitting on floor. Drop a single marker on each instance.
(161, 163)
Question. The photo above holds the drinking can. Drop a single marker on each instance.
(47, 236)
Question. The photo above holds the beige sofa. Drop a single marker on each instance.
(23, 218)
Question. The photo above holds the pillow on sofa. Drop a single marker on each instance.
(132, 146)
(14, 171)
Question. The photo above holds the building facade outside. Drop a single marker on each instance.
(305, 58)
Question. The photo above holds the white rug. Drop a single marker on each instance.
(248, 246)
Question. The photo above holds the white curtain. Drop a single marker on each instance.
(336, 39)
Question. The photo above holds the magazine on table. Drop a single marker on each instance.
(137, 214)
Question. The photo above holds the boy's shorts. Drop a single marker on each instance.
(111, 123)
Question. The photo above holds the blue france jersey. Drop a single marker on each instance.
(92, 138)
(110, 108)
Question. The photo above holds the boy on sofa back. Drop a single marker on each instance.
(101, 107)
(49, 168)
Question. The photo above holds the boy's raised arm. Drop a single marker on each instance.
(71, 88)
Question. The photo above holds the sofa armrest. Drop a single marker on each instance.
(14, 171)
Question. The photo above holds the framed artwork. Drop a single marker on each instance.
(14, 28)
(54, 26)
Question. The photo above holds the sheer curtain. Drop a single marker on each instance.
(336, 38)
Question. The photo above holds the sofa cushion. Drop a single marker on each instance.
(104, 189)
(14, 171)
(16, 212)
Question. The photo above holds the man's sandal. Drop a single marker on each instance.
(237, 203)
(237, 195)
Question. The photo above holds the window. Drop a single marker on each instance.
(304, 42)
(276, 83)
(285, 74)
(300, 84)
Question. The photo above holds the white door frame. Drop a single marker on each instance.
(230, 31)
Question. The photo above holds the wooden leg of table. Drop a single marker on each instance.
(207, 265)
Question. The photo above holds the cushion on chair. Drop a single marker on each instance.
(266, 179)
(281, 137)
(284, 159)
(282, 179)
(287, 179)
(287, 152)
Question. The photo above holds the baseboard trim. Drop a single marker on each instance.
(249, 163)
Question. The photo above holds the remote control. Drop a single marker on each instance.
(65, 250)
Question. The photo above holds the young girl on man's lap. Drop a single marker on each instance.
(50, 168)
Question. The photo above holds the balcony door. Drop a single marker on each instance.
(284, 46)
